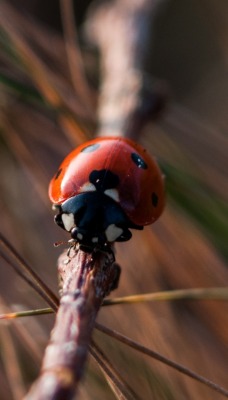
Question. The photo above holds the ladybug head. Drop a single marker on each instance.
(93, 218)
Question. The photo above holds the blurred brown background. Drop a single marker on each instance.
(42, 119)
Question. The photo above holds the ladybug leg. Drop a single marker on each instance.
(72, 245)
(126, 235)
(87, 238)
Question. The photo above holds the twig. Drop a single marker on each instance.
(86, 279)
(129, 97)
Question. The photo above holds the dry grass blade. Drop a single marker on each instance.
(23, 336)
(75, 61)
(181, 294)
(25, 271)
(29, 313)
(25, 158)
(219, 293)
(11, 364)
(43, 78)
(164, 360)
(11, 356)
(119, 387)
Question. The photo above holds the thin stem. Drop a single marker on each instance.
(27, 313)
(74, 57)
(26, 272)
(218, 293)
(164, 360)
(120, 388)
(11, 364)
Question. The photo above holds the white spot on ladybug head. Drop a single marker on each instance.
(113, 232)
(95, 240)
(113, 193)
(87, 187)
(80, 236)
(68, 221)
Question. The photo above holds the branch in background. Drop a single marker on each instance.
(129, 97)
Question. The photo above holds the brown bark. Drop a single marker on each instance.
(86, 279)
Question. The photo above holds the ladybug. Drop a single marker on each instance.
(105, 187)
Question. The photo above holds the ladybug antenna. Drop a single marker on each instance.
(57, 244)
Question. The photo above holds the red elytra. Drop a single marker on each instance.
(140, 186)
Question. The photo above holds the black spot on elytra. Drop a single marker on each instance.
(154, 199)
(138, 160)
(58, 173)
(90, 148)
